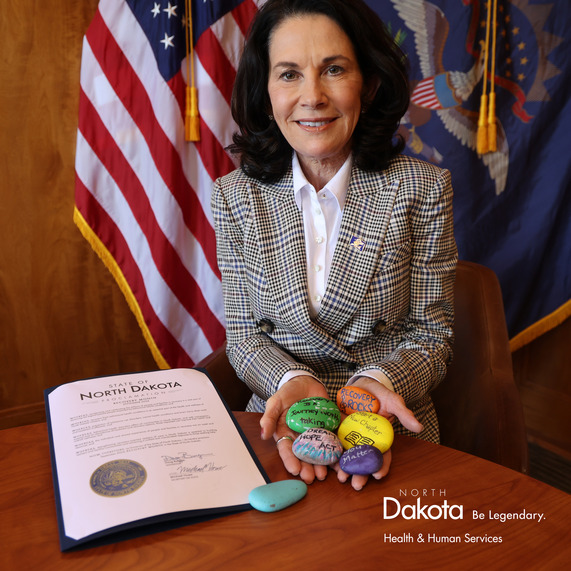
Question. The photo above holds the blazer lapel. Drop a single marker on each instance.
(279, 226)
(281, 242)
(366, 215)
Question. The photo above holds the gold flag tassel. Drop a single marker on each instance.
(482, 134)
(191, 117)
(492, 126)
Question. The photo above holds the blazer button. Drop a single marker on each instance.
(378, 327)
(266, 326)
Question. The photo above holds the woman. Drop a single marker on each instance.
(337, 254)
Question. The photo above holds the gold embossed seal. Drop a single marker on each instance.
(118, 478)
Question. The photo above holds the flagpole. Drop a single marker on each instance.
(482, 134)
(191, 118)
(492, 126)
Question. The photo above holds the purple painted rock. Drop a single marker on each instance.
(363, 459)
(317, 446)
(354, 399)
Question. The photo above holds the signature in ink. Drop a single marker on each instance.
(208, 467)
(182, 457)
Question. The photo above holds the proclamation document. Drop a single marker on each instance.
(135, 449)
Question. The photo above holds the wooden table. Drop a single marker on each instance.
(333, 527)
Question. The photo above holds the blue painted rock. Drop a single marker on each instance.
(355, 399)
(363, 459)
(317, 446)
(313, 412)
(366, 428)
(277, 495)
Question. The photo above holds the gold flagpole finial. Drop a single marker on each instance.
(191, 116)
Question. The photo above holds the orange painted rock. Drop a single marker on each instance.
(354, 399)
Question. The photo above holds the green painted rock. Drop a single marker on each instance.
(313, 412)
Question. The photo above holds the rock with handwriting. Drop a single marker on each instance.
(362, 459)
(354, 399)
(313, 412)
(317, 446)
(366, 428)
(277, 495)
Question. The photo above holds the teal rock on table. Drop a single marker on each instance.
(277, 495)
(313, 412)
(317, 446)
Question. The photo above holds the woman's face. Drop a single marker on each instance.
(315, 87)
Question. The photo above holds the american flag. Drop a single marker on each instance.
(142, 196)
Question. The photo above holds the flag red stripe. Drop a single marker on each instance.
(214, 157)
(212, 154)
(244, 14)
(135, 98)
(166, 258)
(97, 218)
(144, 191)
(216, 63)
(178, 88)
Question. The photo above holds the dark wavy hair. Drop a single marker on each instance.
(264, 152)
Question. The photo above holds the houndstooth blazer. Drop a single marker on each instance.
(389, 298)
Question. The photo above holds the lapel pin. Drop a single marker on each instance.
(357, 243)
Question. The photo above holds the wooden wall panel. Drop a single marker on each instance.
(62, 317)
(543, 373)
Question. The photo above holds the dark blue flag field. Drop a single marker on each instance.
(512, 205)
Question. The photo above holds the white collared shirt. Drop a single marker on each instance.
(322, 212)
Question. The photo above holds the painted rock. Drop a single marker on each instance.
(277, 495)
(363, 459)
(313, 412)
(355, 399)
(317, 446)
(366, 428)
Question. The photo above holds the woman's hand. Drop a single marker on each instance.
(392, 406)
(273, 424)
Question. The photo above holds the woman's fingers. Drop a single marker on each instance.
(358, 481)
(271, 416)
(307, 472)
(387, 459)
(277, 405)
(290, 461)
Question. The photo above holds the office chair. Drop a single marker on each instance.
(478, 403)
